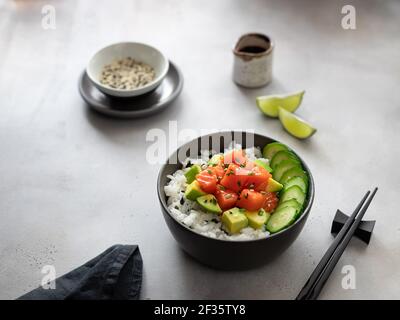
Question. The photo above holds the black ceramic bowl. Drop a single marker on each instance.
(225, 254)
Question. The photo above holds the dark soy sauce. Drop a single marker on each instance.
(252, 49)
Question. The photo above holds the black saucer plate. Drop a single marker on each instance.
(135, 107)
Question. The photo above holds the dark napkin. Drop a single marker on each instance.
(115, 274)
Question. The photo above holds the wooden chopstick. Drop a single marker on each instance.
(305, 292)
(319, 284)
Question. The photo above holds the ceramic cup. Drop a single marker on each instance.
(252, 65)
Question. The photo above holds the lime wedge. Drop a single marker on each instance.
(294, 125)
(269, 104)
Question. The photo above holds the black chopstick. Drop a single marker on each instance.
(319, 270)
(328, 254)
(319, 284)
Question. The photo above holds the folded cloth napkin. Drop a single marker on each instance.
(116, 274)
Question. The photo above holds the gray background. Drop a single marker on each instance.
(73, 182)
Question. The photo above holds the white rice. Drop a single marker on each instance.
(189, 213)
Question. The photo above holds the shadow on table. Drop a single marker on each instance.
(274, 87)
(114, 127)
(203, 282)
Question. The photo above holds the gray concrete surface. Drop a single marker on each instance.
(73, 182)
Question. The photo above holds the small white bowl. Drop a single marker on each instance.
(138, 51)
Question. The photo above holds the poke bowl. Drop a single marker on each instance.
(235, 200)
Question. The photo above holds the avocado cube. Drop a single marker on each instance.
(257, 218)
(209, 203)
(263, 164)
(273, 186)
(192, 173)
(234, 220)
(193, 191)
(215, 159)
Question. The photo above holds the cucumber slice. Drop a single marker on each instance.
(284, 166)
(294, 172)
(293, 192)
(282, 156)
(296, 181)
(291, 203)
(271, 148)
(281, 219)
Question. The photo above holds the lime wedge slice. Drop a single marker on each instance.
(269, 104)
(294, 125)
